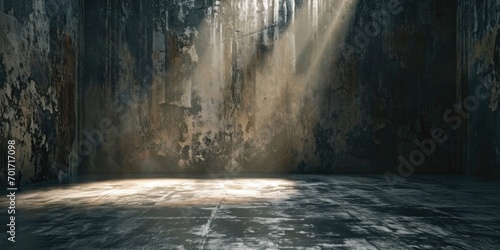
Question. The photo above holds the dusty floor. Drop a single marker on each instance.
(280, 212)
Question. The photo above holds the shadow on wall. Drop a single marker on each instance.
(233, 71)
(479, 54)
(263, 86)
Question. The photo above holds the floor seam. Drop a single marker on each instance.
(206, 228)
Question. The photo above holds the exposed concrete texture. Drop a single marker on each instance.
(248, 86)
(265, 86)
(38, 74)
(479, 78)
(280, 212)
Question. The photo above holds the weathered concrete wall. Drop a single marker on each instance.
(479, 78)
(38, 74)
(401, 84)
(265, 86)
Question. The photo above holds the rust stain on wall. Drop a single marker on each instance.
(243, 86)
(37, 90)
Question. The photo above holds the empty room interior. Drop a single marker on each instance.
(250, 124)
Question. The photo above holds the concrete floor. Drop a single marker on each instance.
(282, 212)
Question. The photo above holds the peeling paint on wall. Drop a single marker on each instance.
(262, 86)
(38, 59)
(246, 86)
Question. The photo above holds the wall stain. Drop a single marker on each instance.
(38, 76)
(232, 90)
(479, 32)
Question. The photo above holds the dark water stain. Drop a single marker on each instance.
(324, 147)
(3, 73)
(496, 53)
(20, 9)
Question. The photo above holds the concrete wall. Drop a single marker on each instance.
(250, 86)
(38, 74)
(479, 70)
(266, 86)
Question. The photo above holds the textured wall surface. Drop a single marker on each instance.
(265, 86)
(479, 70)
(250, 86)
(38, 74)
